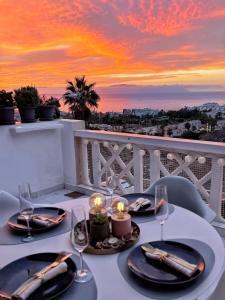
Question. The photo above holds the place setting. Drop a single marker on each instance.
(175, 265)
(46, 276)
(142, 206)
(33, 223)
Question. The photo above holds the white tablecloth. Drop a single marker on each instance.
(110, 283)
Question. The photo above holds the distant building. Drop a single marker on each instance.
(141, 112)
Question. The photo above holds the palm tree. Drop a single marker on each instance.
(81, 98)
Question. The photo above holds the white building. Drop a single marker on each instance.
(141, 112)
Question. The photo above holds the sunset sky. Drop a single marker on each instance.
(46, 42)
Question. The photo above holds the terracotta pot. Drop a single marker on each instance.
(98, 232)
(46, 112)
(27, 114)
(7, 116)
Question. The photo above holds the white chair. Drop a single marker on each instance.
(182, 192)
(9, 205)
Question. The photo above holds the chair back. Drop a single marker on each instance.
(182, 192)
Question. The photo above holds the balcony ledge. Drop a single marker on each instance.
(38, 126)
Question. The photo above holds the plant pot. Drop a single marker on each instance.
(46, 113)
(27, 114)
(7, 116)
(98, 232)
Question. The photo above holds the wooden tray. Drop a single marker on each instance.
(105, 248)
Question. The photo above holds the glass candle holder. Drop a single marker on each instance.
(97, 203)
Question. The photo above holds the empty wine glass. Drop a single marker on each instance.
(161, 205)
(111, 185)
(26, 208)
(80, 240)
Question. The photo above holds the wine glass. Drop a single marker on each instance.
(26, 208)
(161, 205)
(80, 240)
(111, 185)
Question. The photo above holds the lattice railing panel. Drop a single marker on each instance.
(137, 167)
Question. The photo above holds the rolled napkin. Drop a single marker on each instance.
(139, 203)
(170, 260)
(32, 284)
(43, 220)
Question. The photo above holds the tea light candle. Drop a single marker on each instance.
(97, 203)
(121, 220)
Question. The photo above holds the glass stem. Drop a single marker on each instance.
(81, 261)
(28, 226)
(161, 225)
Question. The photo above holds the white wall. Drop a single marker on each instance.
(31, 153)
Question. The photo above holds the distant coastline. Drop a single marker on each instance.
(119, 97)
(116, 103)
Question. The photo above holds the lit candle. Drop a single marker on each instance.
(121, 220)
(97, 203)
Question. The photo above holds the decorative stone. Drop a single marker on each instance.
(113, 240)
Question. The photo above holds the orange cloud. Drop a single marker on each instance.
(168, 18)
(46, 42)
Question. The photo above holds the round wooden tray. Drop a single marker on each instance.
(105, 249)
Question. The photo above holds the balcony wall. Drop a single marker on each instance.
(31, 153)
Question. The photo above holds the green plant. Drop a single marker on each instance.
(6, 99)
(81, 98)
(100, 219)
(49, 101)
(27, 96)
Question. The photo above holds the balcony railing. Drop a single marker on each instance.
(137, 161)
(52, 155)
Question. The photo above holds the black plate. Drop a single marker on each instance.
(16, 273)
(142, 211)
(157, 272)
(53, 211)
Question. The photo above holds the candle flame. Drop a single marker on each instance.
(120, 207)
(98, 202)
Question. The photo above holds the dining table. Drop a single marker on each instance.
(109, 277)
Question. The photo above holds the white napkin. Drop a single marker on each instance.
(140, 202)
(173, 261)
(34, 283)
(41, 220)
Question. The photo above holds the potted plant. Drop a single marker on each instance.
(27, 100)
(6, 108)
(99, 229)
(48, 109)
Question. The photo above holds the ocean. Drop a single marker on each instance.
(170, 101)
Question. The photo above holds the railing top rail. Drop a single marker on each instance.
(154, 141)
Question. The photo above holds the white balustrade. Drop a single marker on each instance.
(125, 156)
